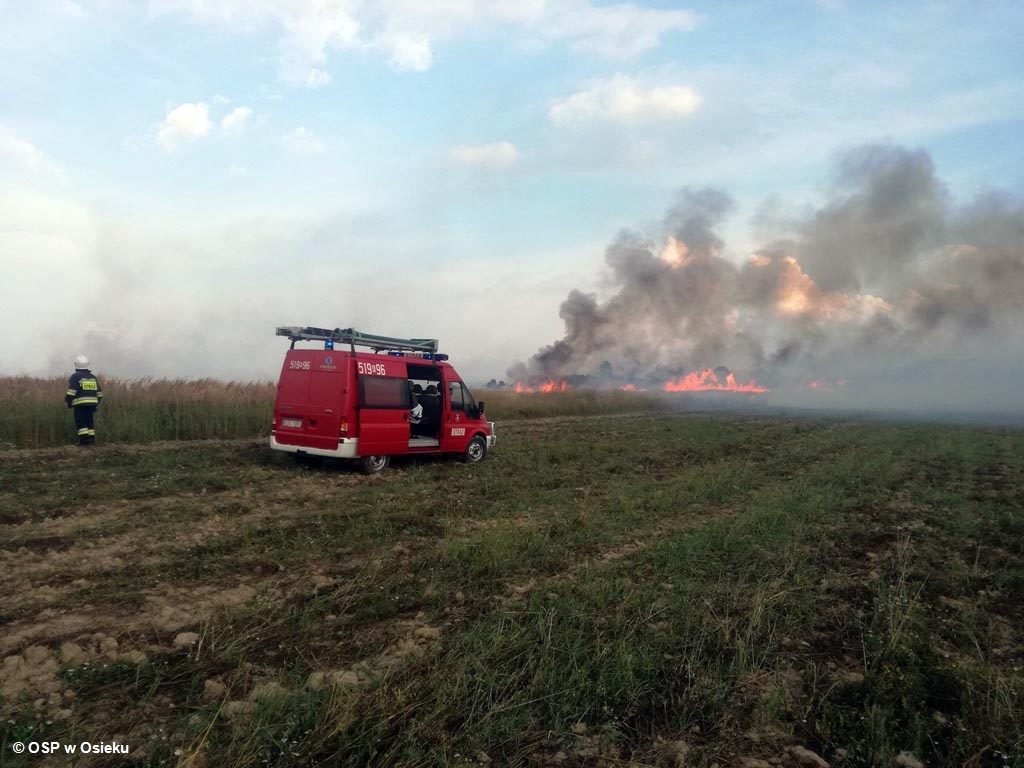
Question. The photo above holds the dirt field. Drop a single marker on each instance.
(622, 590)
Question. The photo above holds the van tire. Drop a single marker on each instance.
(374, 465)
(476, 451)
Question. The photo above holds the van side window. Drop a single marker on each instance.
(384, 392)
(455, 388)
(462, 400)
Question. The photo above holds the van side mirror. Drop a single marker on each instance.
(480, 408)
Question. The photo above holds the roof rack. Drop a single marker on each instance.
(356, 338)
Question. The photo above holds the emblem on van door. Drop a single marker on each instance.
(328, 360)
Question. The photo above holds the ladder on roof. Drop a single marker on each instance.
(356, 338)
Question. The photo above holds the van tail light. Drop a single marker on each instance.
(343, 429)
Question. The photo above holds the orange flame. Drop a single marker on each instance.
(548, 386)
(708, 381)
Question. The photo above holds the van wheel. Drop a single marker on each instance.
(374, 465)
(476, 451)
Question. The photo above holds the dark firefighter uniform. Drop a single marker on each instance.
(84, 396)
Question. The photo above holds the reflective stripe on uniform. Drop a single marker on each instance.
(83, 431)
(99, 394)
(71, 392)
(85, 401)
(91, 432)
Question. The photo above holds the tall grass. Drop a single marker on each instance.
(32, 412)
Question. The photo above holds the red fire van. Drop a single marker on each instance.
(401, 397)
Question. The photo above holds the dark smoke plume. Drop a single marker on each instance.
(889, 274)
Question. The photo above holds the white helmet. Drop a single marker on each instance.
(81, 363)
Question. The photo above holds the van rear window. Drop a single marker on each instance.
(384, 392)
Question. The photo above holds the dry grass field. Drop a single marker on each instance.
(632, 590)
(32, 412)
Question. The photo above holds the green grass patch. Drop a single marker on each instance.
(741, 585)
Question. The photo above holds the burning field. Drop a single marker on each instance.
(887, 295)
(718, 380)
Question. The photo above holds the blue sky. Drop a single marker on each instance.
(178, 176)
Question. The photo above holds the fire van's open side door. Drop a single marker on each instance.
(425, 384)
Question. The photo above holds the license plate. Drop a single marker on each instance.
(292, 423)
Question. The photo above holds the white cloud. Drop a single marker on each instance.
(406, 31)
(22, 152)
(407, 53)
(618, 31)
(236, 120)
(625, 100)
(498, 155)
(19, 156)
(303, 142)
(310, 29)
(69, 8)
(185, 123)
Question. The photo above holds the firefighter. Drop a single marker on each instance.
(84, 396)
